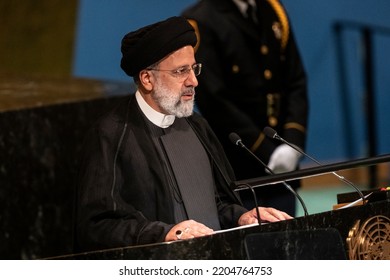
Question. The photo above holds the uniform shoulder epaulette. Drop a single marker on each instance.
(195, 26)
(281, 13)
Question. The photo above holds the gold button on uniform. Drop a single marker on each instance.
(267, 74)
(264, 49)
(235, 68)
(273, 121)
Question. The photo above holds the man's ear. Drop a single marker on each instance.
(146, 79)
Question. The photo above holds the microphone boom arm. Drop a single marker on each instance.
(237, 141)
(273, 134)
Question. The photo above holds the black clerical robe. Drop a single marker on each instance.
(123, 196)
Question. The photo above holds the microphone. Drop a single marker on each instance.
(236, 140)
(271, 133)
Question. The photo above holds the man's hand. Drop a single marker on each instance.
(188, 229)
(267, 214)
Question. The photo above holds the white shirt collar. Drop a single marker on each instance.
(155, 117)
(242, 5)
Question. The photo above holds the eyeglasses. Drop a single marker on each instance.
(184, 71)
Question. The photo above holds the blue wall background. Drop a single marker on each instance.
(337, 132)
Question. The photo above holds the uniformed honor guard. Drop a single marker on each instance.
(253, 78)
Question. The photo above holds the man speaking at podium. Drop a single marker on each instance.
(153, 170)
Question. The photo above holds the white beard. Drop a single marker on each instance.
(171, 102)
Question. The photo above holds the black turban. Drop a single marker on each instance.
(150, 44)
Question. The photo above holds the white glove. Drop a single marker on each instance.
(283, 159)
